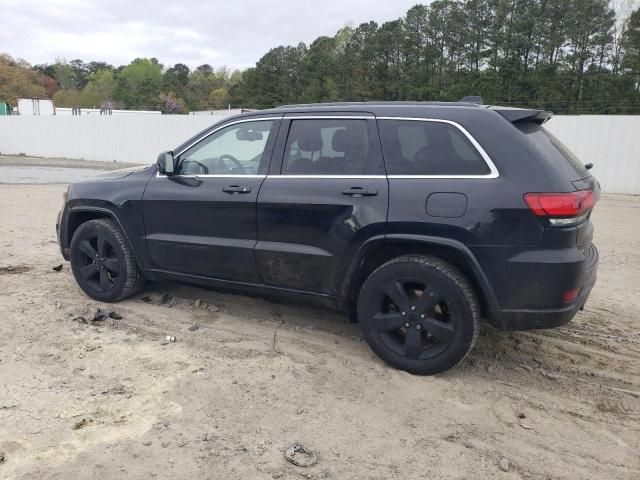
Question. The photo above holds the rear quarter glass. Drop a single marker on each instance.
(550, 150)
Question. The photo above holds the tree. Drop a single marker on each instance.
(631, 49)
(568, 56)
(99, 89)
(139, 84)
(176, 79)
(589, 34)
(50, 85)
(104, 82)
(18, 79)
(67, 98)
(64, 74)
(169, 104)
(201, 82)
(219, 98)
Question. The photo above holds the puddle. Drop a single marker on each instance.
(17, 174)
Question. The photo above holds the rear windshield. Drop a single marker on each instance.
(552, 148)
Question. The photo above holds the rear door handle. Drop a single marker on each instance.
(360, 192)
(236, 189)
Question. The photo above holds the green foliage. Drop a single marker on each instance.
(18, 80)
(568, 56)
(104, 82)
(219, 98)
(176, 79)
(631, 48)
(65, 75)
(67, 98)
(139, 84)
(556, 54)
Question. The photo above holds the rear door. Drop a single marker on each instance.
(440, 180)
(325, 196)
(202, 220)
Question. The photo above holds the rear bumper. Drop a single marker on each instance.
(538, 318)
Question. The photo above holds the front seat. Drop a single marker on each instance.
(309, 140)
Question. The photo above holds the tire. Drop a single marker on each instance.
(419, 314)
(103, 263)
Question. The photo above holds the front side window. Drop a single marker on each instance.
(330, 147)
(428, 148)
(234, 150)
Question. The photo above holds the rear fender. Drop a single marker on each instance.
(401, 244)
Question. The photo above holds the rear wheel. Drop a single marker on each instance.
(419, 314)
(103, 263)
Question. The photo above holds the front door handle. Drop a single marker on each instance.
(360, 192)
(236, 189)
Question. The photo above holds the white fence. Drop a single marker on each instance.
(121, 138)
(611, 143)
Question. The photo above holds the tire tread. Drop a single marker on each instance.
(134, 277)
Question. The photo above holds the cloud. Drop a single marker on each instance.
(235, 33)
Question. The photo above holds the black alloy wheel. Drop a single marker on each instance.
(419, 314)
(103, 263)
(100, 264)
(414, 319)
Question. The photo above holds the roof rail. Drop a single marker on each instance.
(472, 99)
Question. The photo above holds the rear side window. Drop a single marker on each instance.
(331, 147)
(428, 148)
(552, 148)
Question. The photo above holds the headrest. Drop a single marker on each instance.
(309, 140)
(340, 142)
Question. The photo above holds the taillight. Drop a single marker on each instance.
(562, 208)
(570, 295)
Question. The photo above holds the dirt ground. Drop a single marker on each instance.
(246, 378)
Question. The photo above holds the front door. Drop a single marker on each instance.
(202, 220)
(327, 197)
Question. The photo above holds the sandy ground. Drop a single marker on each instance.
(116, 400)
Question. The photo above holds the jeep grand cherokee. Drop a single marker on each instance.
(418, 218)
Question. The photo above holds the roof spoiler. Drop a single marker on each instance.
(515, 115)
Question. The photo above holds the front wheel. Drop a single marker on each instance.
(419, 314)
(103, 263)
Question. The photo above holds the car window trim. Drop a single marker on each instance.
(211, 132)
(297, 175)
(493, 170)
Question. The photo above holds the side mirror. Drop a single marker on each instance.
(166, 163)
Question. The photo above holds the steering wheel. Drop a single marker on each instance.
(233, 160)
(203, 168)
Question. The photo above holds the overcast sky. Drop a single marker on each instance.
(235, 33)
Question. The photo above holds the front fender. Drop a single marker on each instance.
(75, 213)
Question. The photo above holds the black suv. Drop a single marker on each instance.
(417, 218)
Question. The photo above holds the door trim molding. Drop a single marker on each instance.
(159, 175)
